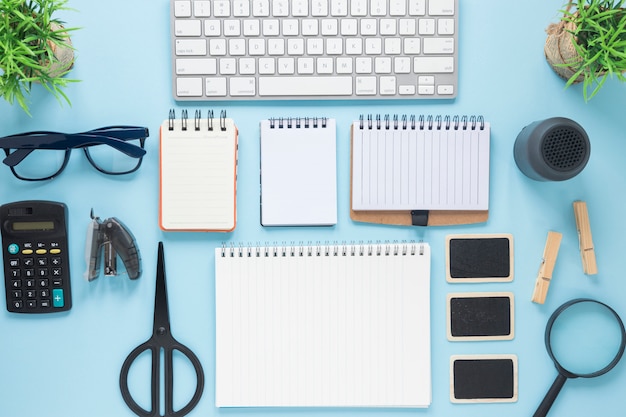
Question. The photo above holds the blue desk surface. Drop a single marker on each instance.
(68, 364)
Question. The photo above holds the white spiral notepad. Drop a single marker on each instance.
(425, 163)
(298, 172)
(323, 326)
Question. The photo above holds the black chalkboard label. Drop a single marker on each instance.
(483, 378)
(479, 258)
(480, 316)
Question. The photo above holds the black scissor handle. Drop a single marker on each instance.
(155, 380)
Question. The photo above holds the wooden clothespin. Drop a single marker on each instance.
(544, 276)
(585, 242)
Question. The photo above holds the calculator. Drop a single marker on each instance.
(35, 254)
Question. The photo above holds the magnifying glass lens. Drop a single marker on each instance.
(585, 338)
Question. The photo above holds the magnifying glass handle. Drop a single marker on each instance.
(554, 390)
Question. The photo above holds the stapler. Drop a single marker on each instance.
(111, 238)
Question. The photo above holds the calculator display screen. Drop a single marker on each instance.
(32, 226)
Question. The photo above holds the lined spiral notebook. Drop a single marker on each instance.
(198, 173)
(420, 163)
(298, 172)
(323, 326)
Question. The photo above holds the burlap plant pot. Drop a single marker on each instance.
(560, 51)
(64, 54)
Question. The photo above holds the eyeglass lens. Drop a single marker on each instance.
(111, 161)
(41, 164)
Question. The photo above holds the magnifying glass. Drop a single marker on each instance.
(585, 339)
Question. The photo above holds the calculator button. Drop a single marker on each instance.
(44, 303)
(57, 282)
(41, 251)
(29, 262)
(56, 272)
(17, 304)
(16, 293)
(29, 273)
(30, 283)
(44, 293)
(44, 283)
(55, 251)
(14, 263)
(27, 251)
(16, 283)
(15, 273)
(13, 249)
(57, 298)
(42, 261)
(43, 272)
(31, 303)
(31, 294)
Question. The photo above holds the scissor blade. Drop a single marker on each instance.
(161, 311)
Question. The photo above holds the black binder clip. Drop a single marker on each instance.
(419, 217)
(112, 238)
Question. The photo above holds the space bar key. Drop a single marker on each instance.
(305, 86)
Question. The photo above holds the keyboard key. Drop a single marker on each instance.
(189, 87)
(339, 7)
(191, 47)
(260, 8)
(438, 46)
(300, 8)
(305, 86)
(243, 86)
(182, 8)
(441, 7)
(221, 8)
(202, 8)
(388, 85)
(366, 86)
(215, 86)
(417, 7)
(241, 8)
(445, 89)
(188, 28)
(430, 65)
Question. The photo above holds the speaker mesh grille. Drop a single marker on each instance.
(564, 148)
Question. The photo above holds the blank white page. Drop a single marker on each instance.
(428, 165)
(198, 175)
(298, 172)
(323, 326)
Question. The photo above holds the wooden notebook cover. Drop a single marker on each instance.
(404, 218)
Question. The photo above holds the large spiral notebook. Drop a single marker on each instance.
(420, 170)
(198, 173)
(336, 325)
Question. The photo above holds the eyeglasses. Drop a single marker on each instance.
(38, 156)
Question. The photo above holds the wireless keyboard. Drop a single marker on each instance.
(314, 49)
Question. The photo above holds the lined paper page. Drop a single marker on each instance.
(327, 326)
(198, 176)
(404, 168)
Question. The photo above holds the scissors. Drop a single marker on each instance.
(161, 341)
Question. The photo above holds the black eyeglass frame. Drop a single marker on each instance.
(19, 146)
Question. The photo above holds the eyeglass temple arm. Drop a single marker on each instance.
(61, 141)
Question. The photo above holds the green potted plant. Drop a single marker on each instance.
(35, 47)
(588, 43)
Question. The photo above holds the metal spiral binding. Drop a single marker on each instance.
(197, 120)
(326, 249)
(298, 122)
(421, 122)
